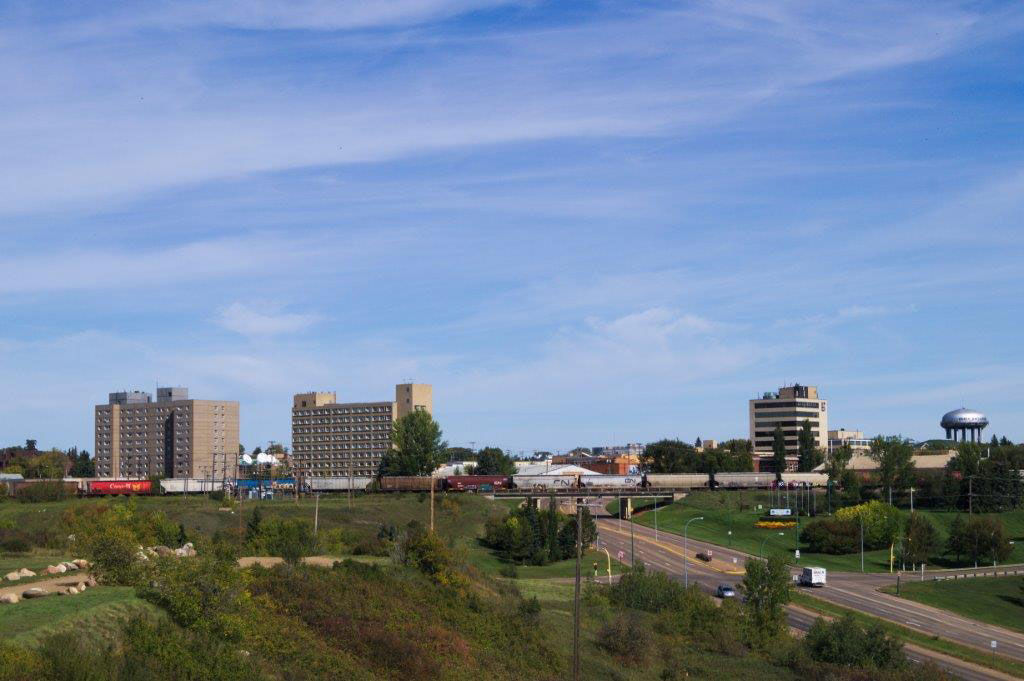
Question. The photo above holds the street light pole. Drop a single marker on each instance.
(760, 551)
(686, 565)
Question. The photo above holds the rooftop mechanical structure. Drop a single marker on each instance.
(964, 421)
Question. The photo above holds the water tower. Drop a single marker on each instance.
(964, 421)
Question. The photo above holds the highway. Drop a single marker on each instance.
(856, 591)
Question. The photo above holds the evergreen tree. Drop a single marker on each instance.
(809, 455)
(779, 452)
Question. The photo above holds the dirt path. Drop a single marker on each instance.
(51, 584)
(271, 561)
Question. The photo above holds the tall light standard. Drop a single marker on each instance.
(686, 565)
(760, 551)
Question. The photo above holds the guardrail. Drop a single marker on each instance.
(992, 572)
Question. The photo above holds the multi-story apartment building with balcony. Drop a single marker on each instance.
(331, 439)
(788, 408)
(175, 436)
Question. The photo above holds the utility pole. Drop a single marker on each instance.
(576, 598)
(632, 543)
(316, 514)
(432, 506)
(970, 495)
(861, 541)
(911, 499)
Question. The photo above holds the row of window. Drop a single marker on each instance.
(779, 404)
(342, 410)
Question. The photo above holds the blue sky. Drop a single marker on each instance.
(583, 223)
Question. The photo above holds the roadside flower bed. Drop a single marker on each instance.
(774, 524)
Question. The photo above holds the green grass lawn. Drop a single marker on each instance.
(996, 600)
(100, 611)
(722, 514)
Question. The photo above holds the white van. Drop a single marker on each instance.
(812, 576)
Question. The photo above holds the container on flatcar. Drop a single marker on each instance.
(476, 483)
(120, 487)
(597, 481)
(409, 483)
(545, 482)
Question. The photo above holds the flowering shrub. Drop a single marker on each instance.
(774, 524)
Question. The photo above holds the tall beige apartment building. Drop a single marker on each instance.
(788, 408)
(333, 440)
(175, 436)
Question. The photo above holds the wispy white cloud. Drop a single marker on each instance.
(154, 114)
(264, 320)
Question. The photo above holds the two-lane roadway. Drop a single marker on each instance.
(855, 591)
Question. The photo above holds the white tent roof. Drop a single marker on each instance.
(548, 469)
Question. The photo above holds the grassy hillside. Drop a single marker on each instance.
(100, 611)
(722, 514)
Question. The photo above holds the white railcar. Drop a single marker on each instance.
(677, 480)
(190, 485)
(339, 484)
(597, 481)
(545, 482)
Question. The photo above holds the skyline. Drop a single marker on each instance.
(581, 223)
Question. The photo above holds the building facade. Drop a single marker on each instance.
(788, 408)
(855, 438)
(332, 439)
(175, 436)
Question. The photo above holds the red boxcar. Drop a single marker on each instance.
(120, 486)
(473, 483)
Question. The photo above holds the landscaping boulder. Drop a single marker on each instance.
(12, 576)
(72, 590)
(90, 582)
(34, 592)
(69, 566)
(9, 598)
(163, 551)
(82, 563)
(60, 568)
(51, 570)
(25, 572)
(80, 586)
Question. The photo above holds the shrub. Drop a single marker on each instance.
(626, 639)
(202, 593)
(832, 535)
(845, 642)
(649, 591)
(881, 522)
(290, 539)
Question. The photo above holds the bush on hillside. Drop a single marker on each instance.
(846, 643)
(832, 535)
(881, 522)
(292, 540)
(627, 639)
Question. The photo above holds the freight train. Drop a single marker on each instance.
(600, 483)
(453, 483)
